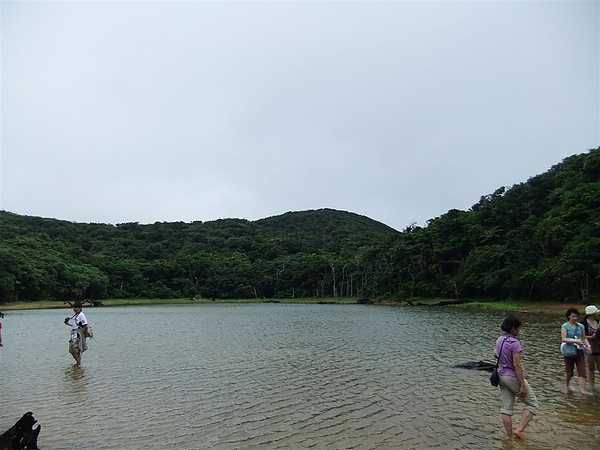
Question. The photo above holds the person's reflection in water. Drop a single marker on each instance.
(76, 376)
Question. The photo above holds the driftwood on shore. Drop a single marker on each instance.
(22, 435)
(88, 301)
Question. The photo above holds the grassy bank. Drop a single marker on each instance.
(516, 306)
(512, 305)
(171, 301)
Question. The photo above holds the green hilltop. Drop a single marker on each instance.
(537, 240)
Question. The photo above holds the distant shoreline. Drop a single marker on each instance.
(515, 306)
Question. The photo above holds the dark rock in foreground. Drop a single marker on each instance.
(22, 435)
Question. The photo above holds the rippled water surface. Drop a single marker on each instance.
(274, 376)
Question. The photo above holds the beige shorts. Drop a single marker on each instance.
(74, 347)
(77, 346)
(509, 388)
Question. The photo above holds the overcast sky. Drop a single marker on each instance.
(144, 111)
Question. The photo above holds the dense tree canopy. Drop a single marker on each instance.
(539, 239)
(297, 254)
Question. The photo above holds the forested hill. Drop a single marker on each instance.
(331, 230)
(291, 255)
(539, 239)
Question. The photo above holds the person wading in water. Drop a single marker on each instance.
(79, 332)
(513, 383)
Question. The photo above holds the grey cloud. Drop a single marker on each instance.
(162, 111)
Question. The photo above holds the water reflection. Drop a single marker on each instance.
(284, 376)
(74, 374)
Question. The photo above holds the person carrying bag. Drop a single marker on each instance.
(512, 380)
(79, 332)
(494, 377)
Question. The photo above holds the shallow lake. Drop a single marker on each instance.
(278, 376)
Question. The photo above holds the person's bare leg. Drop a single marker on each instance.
(582, 385)
(526, 416)
(567, 381)
(77, 358)
(592, 377)
(507, 422)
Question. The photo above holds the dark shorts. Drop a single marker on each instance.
(579, 361)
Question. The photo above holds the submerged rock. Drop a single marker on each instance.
(476, 365)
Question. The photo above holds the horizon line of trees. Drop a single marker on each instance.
(539, 239)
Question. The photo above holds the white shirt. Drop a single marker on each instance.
(74, 321)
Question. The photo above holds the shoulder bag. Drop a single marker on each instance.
(568, 349)
(494, 377)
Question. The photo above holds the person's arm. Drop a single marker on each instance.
(81, 320)
(82, 323)
(584, 340)
(520, 374)
(588, 336)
